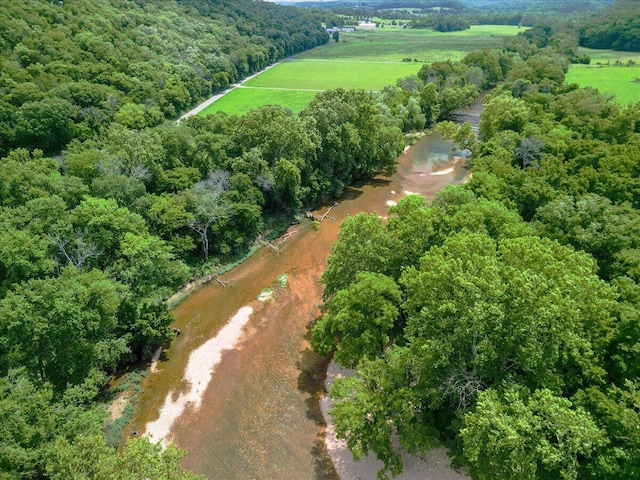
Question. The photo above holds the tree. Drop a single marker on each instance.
(62, 328)
(45, 124)
(593, 224)
(106, 224)
(358, 321)
(429, 102)
(90, 457)
(209, 205)
(147, 264)
(363, 245)
(503, 112)
(32, 416)
(518, 434)
(288, 184)
(477, 314)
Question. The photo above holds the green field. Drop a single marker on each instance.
(603, 57)
(601, 74)
(329, 74)
(617, 81)
(366, 59)
(241, 100)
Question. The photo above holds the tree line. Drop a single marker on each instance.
(501, 318)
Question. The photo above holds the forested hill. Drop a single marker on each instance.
(68, 69)
(617, 27)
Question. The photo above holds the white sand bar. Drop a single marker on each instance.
(200, 367)
(443, 172)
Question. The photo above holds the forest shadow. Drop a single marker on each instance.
(313, 372)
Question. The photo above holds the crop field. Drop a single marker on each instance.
(328, 74)
(621, 82)
(363, 59)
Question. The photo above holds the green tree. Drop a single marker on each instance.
(521, 435)
(358, 321)
(363, 245)
(47, 124)
(60, 329)
(503, 112)
(288, 184)
(90, 457)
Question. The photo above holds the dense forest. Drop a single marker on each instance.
(502, 318)
(71, 69)
(616, 27)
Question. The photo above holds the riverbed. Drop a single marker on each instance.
(249, 408)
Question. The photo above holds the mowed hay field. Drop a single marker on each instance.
(366, 59)
(623, 82)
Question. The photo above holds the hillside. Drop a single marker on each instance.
(616, 27)
(69, 69)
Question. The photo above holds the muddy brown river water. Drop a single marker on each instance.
(258, 415)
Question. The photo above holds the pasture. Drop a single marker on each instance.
(604, 73)
(365, 59)
(621, 82)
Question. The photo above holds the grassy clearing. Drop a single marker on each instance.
(329, 74)
(366, 59)
(242, 100)
(617, 81)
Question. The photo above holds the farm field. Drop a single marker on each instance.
(425, 45)
(621, 82)
(241, 100)
(366, 59)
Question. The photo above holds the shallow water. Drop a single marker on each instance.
(259, 414)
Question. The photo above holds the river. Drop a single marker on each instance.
(252, 411)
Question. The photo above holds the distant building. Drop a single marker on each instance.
(332, 30)
(367, 24)
(348, 29)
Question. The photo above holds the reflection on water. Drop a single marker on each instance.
(430, 154)
(259, 416)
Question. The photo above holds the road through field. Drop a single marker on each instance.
(218, 96)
